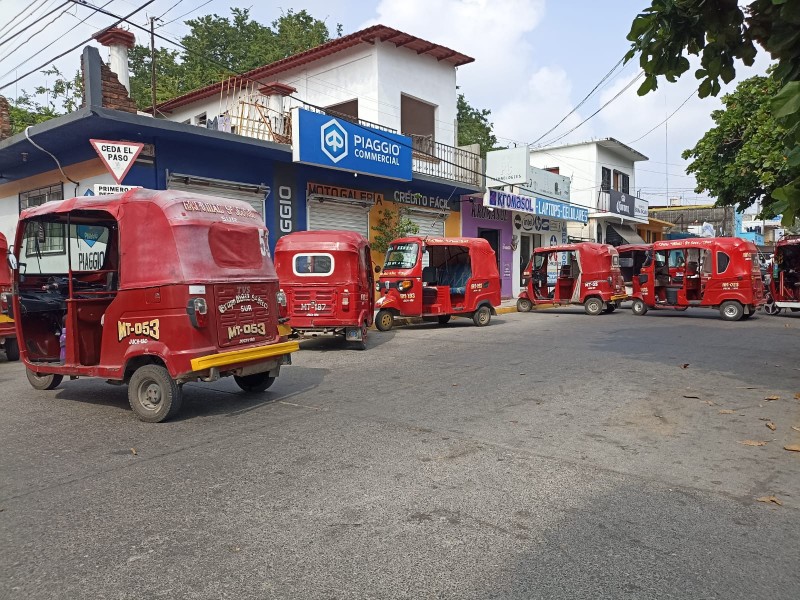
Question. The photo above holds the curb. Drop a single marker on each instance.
(500, 310)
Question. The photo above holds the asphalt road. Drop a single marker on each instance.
(549, 455)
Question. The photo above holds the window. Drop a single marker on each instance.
(676, 259)
(723, 260)
(88, 242)
(50, 236)
(312, 264)
(605, 183)
(200, 120)
(401, 256)
(622, 182)
(418, 120)
(348, 110)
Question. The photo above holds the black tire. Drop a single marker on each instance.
(384, 320)
(746, 316)
(593, 306)
(153, 394)
(12, 349)
(362, 344)
(611, 307)
(770, 308)
(444, 319)
(638, 307)
(731, 310)
(482, 316)
(524, 305)
(43, 381)
(258, 382)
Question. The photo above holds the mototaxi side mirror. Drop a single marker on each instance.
(642, 277)
(12, 261)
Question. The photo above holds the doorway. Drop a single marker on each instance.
(493, 237)
(527, 243)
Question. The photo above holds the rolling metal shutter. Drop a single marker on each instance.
(328, 214)
(429, 223)
(253, 194)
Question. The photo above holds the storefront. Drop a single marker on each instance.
(495, 226)
(533, 223)
(618, 218)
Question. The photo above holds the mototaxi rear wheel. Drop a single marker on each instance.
(638, 307)
(524, 305)
(43, 381)
(153, 394)
(257, 382)
(482, 316)
(593, 306)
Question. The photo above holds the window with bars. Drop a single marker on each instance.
(50, 236)
(605, 181)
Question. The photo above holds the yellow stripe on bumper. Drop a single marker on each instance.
(619, 297)
(6, 319)
(222, 359)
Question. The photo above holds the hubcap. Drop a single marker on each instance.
(150, 395)
(731, 311)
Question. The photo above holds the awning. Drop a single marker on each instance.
(622, 234)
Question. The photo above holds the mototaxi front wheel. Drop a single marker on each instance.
(384, 320)
(12, 349)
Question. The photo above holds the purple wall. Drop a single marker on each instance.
(476, 216)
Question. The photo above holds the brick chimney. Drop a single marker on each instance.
(118, 41)
(5, 118)
(101, 86)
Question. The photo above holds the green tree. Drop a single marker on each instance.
(721, 33)
(61, 96)
(390, 226)
(474, 126)
(217, 47)
(740, 160)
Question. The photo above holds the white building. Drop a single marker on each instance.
(603, 179)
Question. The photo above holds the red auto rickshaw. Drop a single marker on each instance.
(438, 278)
(631, 259)
(721, 273)
(8, 334)
(585, 273)
(329, 284)
(784, 281)
(149, 288)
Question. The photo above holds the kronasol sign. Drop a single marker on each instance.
(338, 144)
(542, 207)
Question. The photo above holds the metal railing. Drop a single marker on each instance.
(433, 158)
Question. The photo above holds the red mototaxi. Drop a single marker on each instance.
(631, 259)
(8, 333)
(784, 281)
(182, 289)
(460, 279)
(721, 273)
(588, 275)
(329, 283)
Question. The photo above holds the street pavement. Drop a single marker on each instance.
(548, 455)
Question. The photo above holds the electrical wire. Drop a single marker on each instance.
(4, 41)
(32, 7)
(53, 156)
(581, 103)
(159, 17)
(186, 13)
(617, 95)
(75, 47)
(689, 97)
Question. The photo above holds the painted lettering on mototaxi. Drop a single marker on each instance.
(645, 290)
(240, 298)
(480, 285)
(318, 306)
(235, 331)
(147, 329)
(591, 285)
(730, 285)
(408, 297)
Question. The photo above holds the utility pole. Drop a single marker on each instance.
(153, 63)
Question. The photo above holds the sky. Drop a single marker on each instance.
(535, 61)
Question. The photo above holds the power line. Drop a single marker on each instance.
(23, 30)
(159, 17)
(617, 95)
(32, 7)
(31, 72)
(186, 13)
(581, 103)
(689, 97)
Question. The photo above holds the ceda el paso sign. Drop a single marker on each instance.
(338, 144)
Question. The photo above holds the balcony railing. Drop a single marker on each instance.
(252, 117)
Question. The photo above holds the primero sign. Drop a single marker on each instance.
(118, 157)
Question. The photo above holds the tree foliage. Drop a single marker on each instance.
(721, 32)
(61, 96)
(740, 160)
(390, 226)
(217, 47)
(474, 126)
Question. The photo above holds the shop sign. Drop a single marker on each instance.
(640, 209)
(103, 188)
(527, 222)
(626, 205)
(323, 140)
(536, 206)
(335, 191)
(485, 213)
(284, 201)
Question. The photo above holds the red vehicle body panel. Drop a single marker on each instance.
(338, 292)
(717, 270)
(165, 249)
(466, 278)
(596, 273)
(7, 330)
(784, 281)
